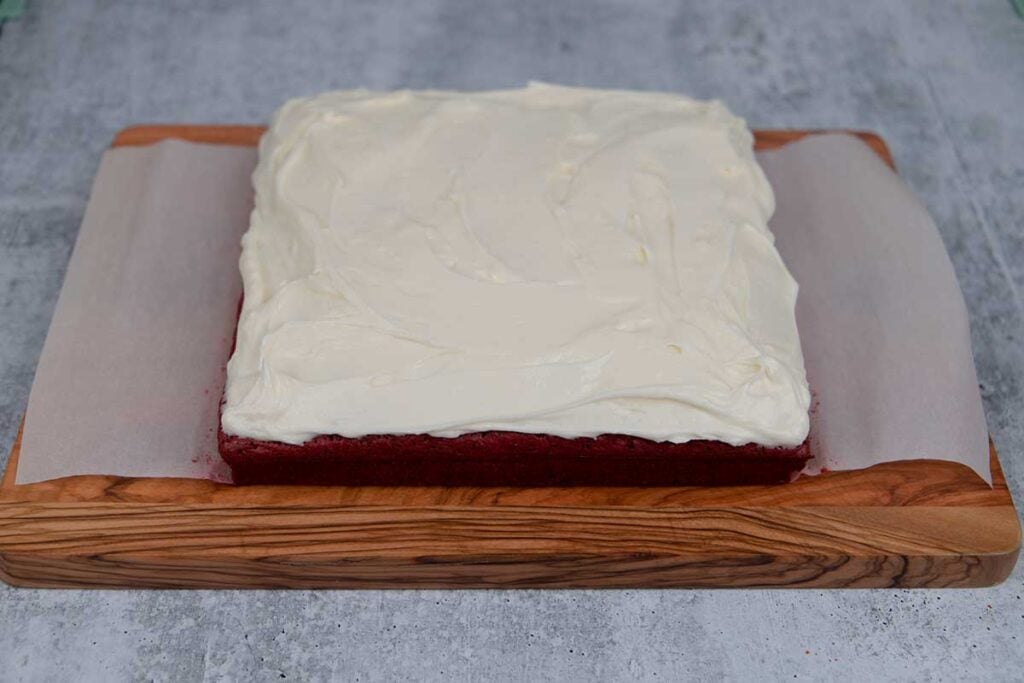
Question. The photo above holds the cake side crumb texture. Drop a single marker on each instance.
(554, 261)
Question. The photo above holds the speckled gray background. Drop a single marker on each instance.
(942, 81)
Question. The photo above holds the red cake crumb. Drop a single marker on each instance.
(499, 458)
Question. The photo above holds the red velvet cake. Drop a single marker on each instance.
(538, 287)
(507, 459)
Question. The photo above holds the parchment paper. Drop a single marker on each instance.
(130, 378)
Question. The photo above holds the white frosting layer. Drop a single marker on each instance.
(550, 260)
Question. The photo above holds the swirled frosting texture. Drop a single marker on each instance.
(551, 260)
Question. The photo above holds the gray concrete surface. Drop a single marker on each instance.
(942, 81)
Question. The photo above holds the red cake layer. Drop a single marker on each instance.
(506, 459)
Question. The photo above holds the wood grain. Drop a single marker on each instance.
(242, 136)
(395, 546)
(237, 136)
(911, 524)
(908, 483)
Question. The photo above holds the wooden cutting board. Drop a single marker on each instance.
(907, 524)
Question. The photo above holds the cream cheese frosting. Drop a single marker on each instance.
(551, 260)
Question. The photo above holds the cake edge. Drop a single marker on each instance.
(507, 459)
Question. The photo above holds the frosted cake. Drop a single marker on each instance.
(546, 285)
